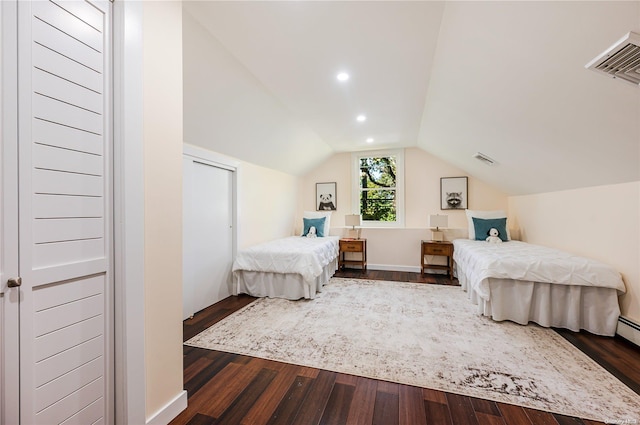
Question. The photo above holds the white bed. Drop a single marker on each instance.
(292, 268)
(529, 283)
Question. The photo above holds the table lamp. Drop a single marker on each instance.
(438, 221)
(353, 220)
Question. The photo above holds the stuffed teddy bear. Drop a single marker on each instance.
(493, 236)
(312, 232)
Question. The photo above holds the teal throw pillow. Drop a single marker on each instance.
(483, 225)
(318, 223)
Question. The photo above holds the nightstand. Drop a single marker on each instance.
(353, 245)
(441, 248)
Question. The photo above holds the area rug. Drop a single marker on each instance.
(428, 336)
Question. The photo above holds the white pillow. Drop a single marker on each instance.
(320, 214)
(485, 215)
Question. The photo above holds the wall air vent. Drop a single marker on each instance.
(484, 158)
(620, 61)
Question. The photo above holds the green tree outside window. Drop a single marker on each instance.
(378, 188)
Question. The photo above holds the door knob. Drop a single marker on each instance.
(14, 282)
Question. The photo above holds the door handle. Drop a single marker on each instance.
(14, 282)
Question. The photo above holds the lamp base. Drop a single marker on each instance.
(354, 233)
(437, 236)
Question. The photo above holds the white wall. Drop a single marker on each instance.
(162, 115)
(399, 249)
(267, 204)
(552, 125)
(601, 222)
(227, 110)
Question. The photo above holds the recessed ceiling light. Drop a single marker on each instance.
(343, 76)
(370, 140)
(361, 118)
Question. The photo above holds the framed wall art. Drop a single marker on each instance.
(454, 193)
(326, 196)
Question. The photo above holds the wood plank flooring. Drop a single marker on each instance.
(232, 389)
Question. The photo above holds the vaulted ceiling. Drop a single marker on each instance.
(454, 78)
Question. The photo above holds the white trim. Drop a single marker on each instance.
(400, 188)
(107, 8)
(388, 267)
(629, 330)
(9, 329)
(129, 214)
(169, 411)
(212, 158)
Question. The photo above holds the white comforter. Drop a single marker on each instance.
(481, 260)
(295, 254)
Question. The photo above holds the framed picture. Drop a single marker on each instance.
(454, 193)
(326, 196)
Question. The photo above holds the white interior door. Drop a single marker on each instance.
(64, 182)
(9, 306)
(207, 234)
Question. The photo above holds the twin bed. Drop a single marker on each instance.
(526, 283)
(512, 281)
(292, 268)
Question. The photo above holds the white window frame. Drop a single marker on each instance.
(355, 186)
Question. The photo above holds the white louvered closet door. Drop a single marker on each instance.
(64, 139)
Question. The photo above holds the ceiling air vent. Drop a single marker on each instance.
(621, 61)
(484, 158)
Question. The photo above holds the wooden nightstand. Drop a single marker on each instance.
(353, 245)
(442, 248)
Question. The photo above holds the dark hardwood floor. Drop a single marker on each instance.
(232, 389)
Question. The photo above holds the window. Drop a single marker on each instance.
(378, 187)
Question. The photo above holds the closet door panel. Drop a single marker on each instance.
(75, 402)
(55, 15)
(52, 206)
(55, 111)
(66, 91)
(57, 64)
(92, 414)
(60, 183)
(56, 39)
(51, 368)
(208, 235)
(67, 137)
(54, 295)
(65, 210)
(63, 315)
(54, 391)
(74, 335)
(68, 252)
(85, 11)
(53, 158)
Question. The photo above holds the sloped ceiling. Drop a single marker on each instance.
(454, 78)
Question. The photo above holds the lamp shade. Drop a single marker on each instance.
(437, 220)
(353, 219)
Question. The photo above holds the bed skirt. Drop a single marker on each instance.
(573, 307)
(290, 286)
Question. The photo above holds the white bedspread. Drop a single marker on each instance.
(304, 256)
(522, 261)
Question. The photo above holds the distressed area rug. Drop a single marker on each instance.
(428, 336)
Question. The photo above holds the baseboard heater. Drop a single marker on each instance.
(629, 330)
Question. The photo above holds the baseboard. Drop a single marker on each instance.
(170, 411)
(386, 267)
(412, 269)
(629, 330)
